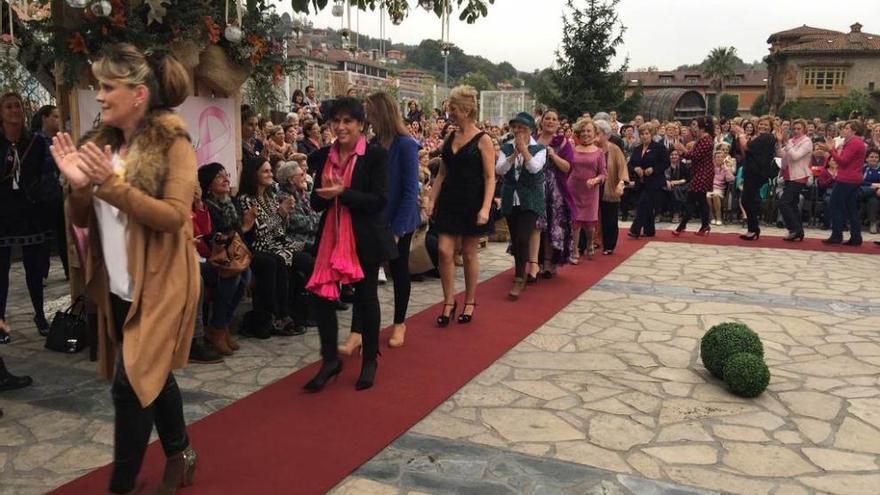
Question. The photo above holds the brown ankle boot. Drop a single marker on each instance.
(179, 472)
(216, 340)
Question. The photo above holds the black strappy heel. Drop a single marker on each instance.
(443, 319)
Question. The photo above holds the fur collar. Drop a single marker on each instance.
(146, 163)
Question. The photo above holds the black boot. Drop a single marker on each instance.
(368, 374)
(8, 381)
(202, 355)
(329, 369)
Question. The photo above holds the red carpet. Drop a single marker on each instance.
(280, 440)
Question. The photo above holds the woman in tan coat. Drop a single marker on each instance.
(612, 190)
(133, 183)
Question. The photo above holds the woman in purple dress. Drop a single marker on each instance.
(587, 173)
(555, 228)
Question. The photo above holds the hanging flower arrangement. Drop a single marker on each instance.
(252, 38)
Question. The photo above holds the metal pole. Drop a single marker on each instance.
(446, 70)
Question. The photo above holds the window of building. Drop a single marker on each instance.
(666, 79)
(824, 78)
(693, 80)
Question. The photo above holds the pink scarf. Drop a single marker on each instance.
(337, 261)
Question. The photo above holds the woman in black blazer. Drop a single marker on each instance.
(759, 166)
(649, 161)
(353, 200)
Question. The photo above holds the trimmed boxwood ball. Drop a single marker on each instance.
(725, 340)
(746, 374)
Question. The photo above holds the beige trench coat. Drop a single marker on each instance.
(163, 267)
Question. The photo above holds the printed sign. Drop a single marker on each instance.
(209, 121)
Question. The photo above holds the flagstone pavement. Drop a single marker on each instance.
(609, 396)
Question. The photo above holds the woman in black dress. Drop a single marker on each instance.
(759, 166)
(22, 219)
(461, 197)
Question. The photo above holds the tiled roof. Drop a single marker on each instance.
(800, 32)
(806, 39)
(838, 43)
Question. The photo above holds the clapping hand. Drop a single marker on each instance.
(97, 164)
(68, 160)
(331, 189)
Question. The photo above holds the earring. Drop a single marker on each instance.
(136, 104)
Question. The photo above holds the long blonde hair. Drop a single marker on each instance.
(384, 116)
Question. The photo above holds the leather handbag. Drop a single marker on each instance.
(230, 256)
(68, 331)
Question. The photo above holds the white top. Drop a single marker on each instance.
(113, 227)
(535, 165)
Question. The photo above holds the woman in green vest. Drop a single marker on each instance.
(521, 163)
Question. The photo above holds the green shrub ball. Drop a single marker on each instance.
(725, 340)
(746, 374)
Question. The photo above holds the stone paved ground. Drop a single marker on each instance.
(607, 406)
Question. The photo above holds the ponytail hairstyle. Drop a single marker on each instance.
(164, 76)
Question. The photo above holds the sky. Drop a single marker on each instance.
(660, 33)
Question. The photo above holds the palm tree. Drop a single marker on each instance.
(719, 67)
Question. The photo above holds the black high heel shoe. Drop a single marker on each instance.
(751, 236)
(368, 375)
(443, 319)
(463, 318)
(794, 237)
(327, 371)
(532, 279)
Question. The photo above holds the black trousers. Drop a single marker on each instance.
(133, 423)
(35, 257)
(59, 229)
(649, 201)
(365, 309)
(751, 202)
(271, 292)
(303, 264)
(610, 231)
(521, 223)
(696, 201)
(845, 209)
(789, 206)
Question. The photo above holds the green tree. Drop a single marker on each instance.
(471, 10)
(719, 67)
(759, 106)
(807, 108)
(584, 78)
(478, 80)
(729, 106)
(854, 101)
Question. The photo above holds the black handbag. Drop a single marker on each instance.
(68, 331)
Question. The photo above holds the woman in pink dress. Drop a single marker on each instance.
(587, 173)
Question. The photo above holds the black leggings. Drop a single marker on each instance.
(696, 200)
(133, 424)
(521, 224)
(272, 287)
(610, 230)
(365, 308)
(399, 268)
(35, 259)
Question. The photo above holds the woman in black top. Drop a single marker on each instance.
(758, 168)
(461, 197)
(22, 222)
(351, 184)
(649, 161)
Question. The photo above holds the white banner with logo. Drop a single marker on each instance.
(209, 121)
